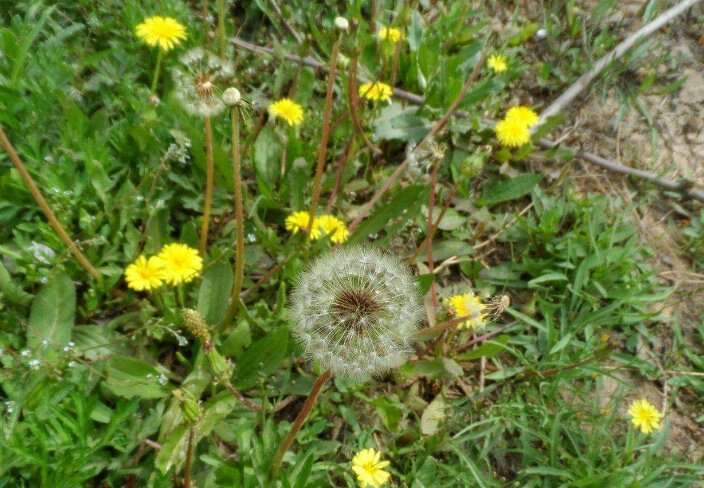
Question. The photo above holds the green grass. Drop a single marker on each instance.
(125, 176)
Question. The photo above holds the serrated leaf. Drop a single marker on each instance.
(53, 314)
(506, 190)
(214, 292)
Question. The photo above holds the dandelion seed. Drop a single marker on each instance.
(198, 82)
(162, 32)
(144, 274)
(369, 468)
(376, 91)
(355, 311)
(287, 110)
(180, 263)
(390, 34)
(468, 305)
(498, 63)
(645, 416)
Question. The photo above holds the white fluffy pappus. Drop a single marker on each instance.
(355, 311)
(198, 82)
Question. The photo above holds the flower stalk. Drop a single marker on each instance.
(300, 420)
(323, 147)
(209, 178)
(44, 206)
(157, 70)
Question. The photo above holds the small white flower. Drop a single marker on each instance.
(231, 96)
(34, 363)
(541, 34)
(25, 353)
(342, 23)
(162, 380)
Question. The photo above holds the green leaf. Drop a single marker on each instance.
(397, 122)
(11, 290)
(432, 416)
(262, 358)
(561, 344)
(53, 313)
(546, 278)
(214, 292)
(489, 349)
(237, 341)
(266, 159)
(405, 205)
(130, 377)
(506, 190)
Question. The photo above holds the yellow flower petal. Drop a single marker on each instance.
(468, 305)
(376, 91)
(287, 110)
(163, 32)
(144, 274)
(181, 264)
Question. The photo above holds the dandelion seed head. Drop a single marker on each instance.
(355, 311)
(198, 80)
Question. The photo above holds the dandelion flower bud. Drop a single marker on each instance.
(190, 406)
(231, 96)
(342, 23)
(355, 312)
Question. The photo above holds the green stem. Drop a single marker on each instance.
(189, 459)
(239, 211)
(209, 177)
(300, 419)
(221, 27)
(157, 70)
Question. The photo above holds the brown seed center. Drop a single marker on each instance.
(353, 306)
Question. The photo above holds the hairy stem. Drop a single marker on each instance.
(157, 70)
(209, 176)
(300, 419)
(323, 147)
(239, 213)
(44, 206)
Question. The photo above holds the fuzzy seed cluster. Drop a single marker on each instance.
(355, 312)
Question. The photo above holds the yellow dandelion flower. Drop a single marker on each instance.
(523, 114)
(369, 468)
(164, 32)
(332, 227)
(287, 110)
(181, 263)
(391, 34)
(468, 305)
(644, 416)
(144, 274)
(498, 63)
(512, 132)
(298, 221)
(376, 91)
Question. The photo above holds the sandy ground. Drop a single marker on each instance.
(664, 133)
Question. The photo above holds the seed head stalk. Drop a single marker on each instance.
(44, 206)
(323, 147)
(221, 27)
(239, 212)
(209, 177)
(300, 419)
